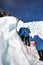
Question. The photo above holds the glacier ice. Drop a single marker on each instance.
(12, 49)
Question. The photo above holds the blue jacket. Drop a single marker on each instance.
(24, 32)
(21, 32)
(39, 42)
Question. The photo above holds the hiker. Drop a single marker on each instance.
(24, 34)
(39, 45)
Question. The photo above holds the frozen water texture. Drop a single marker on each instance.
(12, 49)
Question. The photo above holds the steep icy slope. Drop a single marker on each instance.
(12, 52)
(12, 49)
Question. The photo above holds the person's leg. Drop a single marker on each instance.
(25, 41)
(28, 41)
(22, 38)
(40, 54)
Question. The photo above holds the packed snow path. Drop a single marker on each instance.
(12, 49)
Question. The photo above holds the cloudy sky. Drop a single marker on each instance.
(27, 10)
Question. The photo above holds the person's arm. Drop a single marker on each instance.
(32, 39)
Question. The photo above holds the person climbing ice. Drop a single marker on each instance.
(24, 34)
(39, 45)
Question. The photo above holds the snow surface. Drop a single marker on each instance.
(36, 28)
(12, 49)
